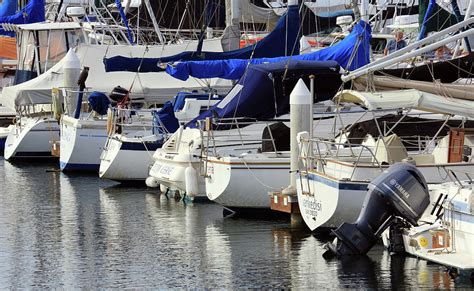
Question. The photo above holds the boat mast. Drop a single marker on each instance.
(365, 10)
(153, 20)
(355, 7)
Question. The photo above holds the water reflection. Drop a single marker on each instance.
(79, 231)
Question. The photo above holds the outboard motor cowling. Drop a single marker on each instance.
(400, 190)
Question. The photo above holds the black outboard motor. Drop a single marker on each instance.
(400, 190)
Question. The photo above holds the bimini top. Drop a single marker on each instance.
(353, 50)
(31, 13)
(264, 91)
(282, 41)
(411, 98)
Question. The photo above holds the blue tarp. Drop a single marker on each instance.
(99, 102)
(31, 13)
(7, 7)
(282, 41)
(165, 117)
(263, 92)
(124, 20)
(232, 69)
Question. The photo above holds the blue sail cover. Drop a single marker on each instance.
(7, 7)
(282, 41)
(357, 43)
(264, 91)
(31, 13)
(124, 20)
(165, 117)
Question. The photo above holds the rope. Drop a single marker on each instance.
(255, 177)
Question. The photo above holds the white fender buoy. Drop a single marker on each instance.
(110, 121)
(191, 182)
(152, 182)
(163, 188)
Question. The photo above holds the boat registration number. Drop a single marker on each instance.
(166, 170)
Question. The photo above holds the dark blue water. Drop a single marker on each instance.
(82, 232)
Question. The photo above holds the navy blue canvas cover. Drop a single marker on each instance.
(166, 117)
(353, 49)
(99, 102)
(282, 41)
(264, 90)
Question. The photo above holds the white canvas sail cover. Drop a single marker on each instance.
(411, 98)
(157, 87)
(253, 13)
(383, 83)
(390, 149)
(327, 5)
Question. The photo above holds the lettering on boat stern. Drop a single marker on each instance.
(166, 170)
(311, 206)
(210, 170)
(156, 168)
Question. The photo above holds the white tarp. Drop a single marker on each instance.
(382, 83)
(327, 5)
(153, 87)
(407, 99)
(252, 13)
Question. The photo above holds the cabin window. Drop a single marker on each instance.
(41, 50)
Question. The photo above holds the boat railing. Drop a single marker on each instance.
(37, 111)
(315, 152)
(241, 132)
(146, 119)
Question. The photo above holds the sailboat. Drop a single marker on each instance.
(128, 156)
(38, 90)
(332, 189)
(445, 231)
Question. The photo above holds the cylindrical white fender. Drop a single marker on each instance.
(163, 188)
(110, 122)
(191, 181)
(152, 182)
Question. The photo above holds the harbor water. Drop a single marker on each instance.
(77, 231)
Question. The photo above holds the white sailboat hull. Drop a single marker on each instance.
(183, 150)
(125, 160)
(81, 144)
(32, 139)
(244, 181)
(327, 200)
(170, 169)
(447, 241)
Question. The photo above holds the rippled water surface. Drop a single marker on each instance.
(79, 231)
